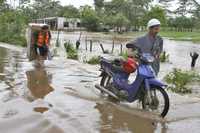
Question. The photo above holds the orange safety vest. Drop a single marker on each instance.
(43, 39)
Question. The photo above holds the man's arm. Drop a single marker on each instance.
(133, 48)
(133, 44)
(49, 37)
(49, 34)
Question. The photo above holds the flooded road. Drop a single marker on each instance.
(61, 98)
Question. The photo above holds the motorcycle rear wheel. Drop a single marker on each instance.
(105, 82)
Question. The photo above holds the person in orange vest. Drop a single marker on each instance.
(42, 42)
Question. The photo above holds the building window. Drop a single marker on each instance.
(66, 24)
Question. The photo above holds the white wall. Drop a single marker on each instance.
(61, 23)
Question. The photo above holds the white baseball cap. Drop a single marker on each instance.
(153, 22)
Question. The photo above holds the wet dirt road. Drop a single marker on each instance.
(61, 98)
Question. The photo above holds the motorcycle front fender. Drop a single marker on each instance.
(156, 82)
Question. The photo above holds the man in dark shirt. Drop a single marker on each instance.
(150, 43)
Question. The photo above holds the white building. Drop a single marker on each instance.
(61, 23)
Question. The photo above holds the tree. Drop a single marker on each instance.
(133, 10)
(69, 12)
(185, 6)
(98, 4)
(119, 22)
(188, 6)
(3, 6)
(89, 18)
(46, 8)
(2, 1)
(158, 13)
(99, 8)
(12, 26)
(181, 23)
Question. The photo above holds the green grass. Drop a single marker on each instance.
(173, 35)
(182, 36)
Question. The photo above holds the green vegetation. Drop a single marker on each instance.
(124, 54)
(116, 15)
(179, 80)
(69, 11)
(181, 24)
(156, 12)
(118, 22)
(165, 32)
(72, 53)
(12, 28)
(164, 57)
(89, 18)
(182, 36)
(94, 60)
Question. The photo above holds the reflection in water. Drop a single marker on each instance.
(115, 120)
(41, 109)
(39, 82)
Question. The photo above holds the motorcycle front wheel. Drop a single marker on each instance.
(158, 101)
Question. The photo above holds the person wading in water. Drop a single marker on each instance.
(42, 42)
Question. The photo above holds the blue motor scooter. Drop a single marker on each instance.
(146, 88)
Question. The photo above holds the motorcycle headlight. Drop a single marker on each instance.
(150, 59)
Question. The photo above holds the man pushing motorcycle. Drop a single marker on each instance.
(145, 87)
(150, 43)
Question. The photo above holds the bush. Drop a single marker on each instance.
(179, 79)
(94, 60)
(72, 53)
(12, 28)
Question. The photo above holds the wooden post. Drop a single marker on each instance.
(86, 43)
(90, 45)
(77, 44)
(113, 46)
(58, 39)
(121, 49)
(102, 48)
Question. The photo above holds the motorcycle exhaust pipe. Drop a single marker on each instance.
(101, 88)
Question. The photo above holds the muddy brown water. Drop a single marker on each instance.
(61, 98)
(27, 91)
